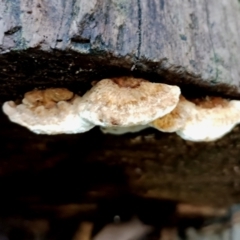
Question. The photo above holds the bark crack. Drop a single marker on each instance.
(139, 29)
(60, 23)
(211, 41)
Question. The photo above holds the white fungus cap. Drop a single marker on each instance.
(210, 119)
(174, 120)
(61, 118)
(123, 130)
(128, 102)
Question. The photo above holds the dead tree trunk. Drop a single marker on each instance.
(69, 43)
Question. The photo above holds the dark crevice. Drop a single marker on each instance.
(23, 71)
(210, 38)
(13, 30)
(162, 3)
(139, 29)
(79, 39)
(60, 24)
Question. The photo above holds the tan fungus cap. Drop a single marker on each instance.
(127, 102)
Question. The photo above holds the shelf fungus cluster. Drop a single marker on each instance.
(50, 111)
(121, 105)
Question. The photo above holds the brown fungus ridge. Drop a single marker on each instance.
(47, 98)
(33, 98)
(128, 82)
(126, 102)
(210, 102)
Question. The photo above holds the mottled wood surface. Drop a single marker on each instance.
(195, 40)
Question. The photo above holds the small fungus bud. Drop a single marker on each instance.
(48, 97)
(33, 98)
(57, 94)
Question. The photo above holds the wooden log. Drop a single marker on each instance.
(191, 41)
(70, 43)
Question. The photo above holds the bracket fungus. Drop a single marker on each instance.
(51, 111)
(118, 105)
(122, 105)
(201, 120)
(127, 102)
(211, 118)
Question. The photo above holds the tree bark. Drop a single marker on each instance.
(188, 41)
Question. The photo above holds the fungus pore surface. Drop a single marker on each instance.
(123, 130)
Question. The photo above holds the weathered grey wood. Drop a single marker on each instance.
(196, 37)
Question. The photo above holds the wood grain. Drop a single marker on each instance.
(195, 40)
